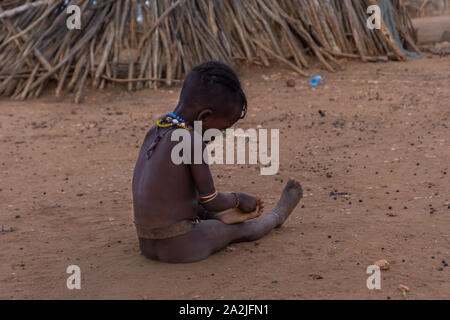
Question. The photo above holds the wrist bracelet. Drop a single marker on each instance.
(237, 200)
(208, 197)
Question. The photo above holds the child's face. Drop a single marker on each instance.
(223, 121)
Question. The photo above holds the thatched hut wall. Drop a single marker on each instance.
(149, 43)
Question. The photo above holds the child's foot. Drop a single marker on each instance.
(233, 216)
(290, 197)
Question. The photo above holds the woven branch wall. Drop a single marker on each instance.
(146, 44)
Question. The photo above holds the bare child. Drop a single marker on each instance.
(179, 215)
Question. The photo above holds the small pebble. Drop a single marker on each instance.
(402, 287)
(290, 83)
(383, 264)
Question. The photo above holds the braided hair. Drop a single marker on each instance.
(214, 72)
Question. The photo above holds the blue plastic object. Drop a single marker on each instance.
(315, 81)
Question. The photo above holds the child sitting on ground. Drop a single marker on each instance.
(178, 213)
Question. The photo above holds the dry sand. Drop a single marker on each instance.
(66, 172)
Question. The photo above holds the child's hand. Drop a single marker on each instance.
(248, 203)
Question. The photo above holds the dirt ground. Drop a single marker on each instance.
(65, 190)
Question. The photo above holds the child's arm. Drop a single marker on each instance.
(221, 202)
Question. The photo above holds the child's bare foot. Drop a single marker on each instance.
(233, 216)
(290, 197)
(260, 204)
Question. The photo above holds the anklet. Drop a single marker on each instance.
(237, 200)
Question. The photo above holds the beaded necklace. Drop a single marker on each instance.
(171, 121)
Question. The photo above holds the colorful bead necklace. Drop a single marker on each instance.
(171, 121)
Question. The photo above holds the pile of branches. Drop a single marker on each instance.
(145, 44)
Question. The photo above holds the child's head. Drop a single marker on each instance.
(212, 94)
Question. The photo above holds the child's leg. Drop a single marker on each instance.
(212, 235)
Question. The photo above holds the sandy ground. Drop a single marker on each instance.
(65, 190)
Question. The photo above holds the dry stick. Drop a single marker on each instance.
(12, 30)
(317, 22)
(116, 54)
(335, 26)
(38, 91)
(168, 58)
(169, 53)
(155, 36)
(20, 76)
(355, 56)
(328, 33)
(305, 35)
(39, 55)
(62, 78)
(261, 55)
(79, 66)
(269, 30)
(33, 25)
(353, 24)
(138, 79)
(17, 66)
(92, 57)
(20, 85)
(12, 12)
(133, 24)
(102, 64)
(81, 83)
(212, 18)
(293, 66)
(30, 80)
(242, 16)
(157, 22)
(330, 57)
(144, 55)
(240, 32)
(291, 40)
(130, 67)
